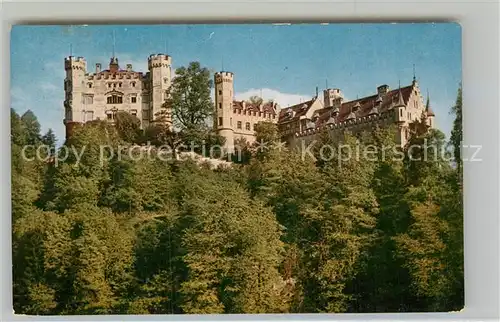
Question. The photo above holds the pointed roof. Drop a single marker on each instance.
(428, 108)
(297, 109)
(351, 116)
(366, 105)
(400, 99)
(373, 111)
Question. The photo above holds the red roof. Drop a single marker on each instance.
(366, 104)
(298, 110)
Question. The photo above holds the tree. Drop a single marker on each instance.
(128, 127)
(256, 100)
(17, 131)
(31, 127)
(456, 133)
(232, 263)
(49, 140)
(189, 97)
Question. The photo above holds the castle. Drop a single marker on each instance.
(302, 122)
(99, 95)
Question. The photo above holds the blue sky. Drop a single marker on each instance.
(285, 62)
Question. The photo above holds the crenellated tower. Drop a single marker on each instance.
(160, 71)
(332, 95)
(74, 87)
(224, 86)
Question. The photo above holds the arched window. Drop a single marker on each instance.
(114, 99)
(247, 126)
(90, 85)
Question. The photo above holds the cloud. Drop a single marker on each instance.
(283, 99)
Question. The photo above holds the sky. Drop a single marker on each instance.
(281, 62)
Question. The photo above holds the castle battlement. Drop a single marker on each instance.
(224, 76)
(76, 63)
(347, 124)
(159, 60)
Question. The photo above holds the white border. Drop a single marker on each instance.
(480, 32)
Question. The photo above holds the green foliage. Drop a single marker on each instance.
(456, 133)
(255, 100)
(128, 127)
(108, 233)
(189, 97)
(31, 128)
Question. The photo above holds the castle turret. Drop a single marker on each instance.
(74, 86)
(113, 65)
(160, 70)
(224, 107)
(330, 95)
(429, 112)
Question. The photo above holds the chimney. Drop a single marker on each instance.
(98, 67)
(382, 89)
(129, 67)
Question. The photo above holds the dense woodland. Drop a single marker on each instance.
(274, 233)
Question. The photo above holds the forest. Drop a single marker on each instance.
(272, 233)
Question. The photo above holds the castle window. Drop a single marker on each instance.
(220, 121)
(220, 92)
(133, 99)
(238, 125)
(401, 113)
(114, 85)
(109, 85)
(89, 116)
(114, 99)
(119, 84)
(134, 113)
(247, 126)
(87, 99)
(90, 85)
(220, 105)
(254, 126)
(133, 84)
(109, 116)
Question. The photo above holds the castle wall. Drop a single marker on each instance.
(248, 121)
(98, 95)
(357, 126)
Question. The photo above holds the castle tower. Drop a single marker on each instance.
(330, 95)
(401, 120)
(224, 107)
(160, 71)
(74, 86)
(429, 112)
